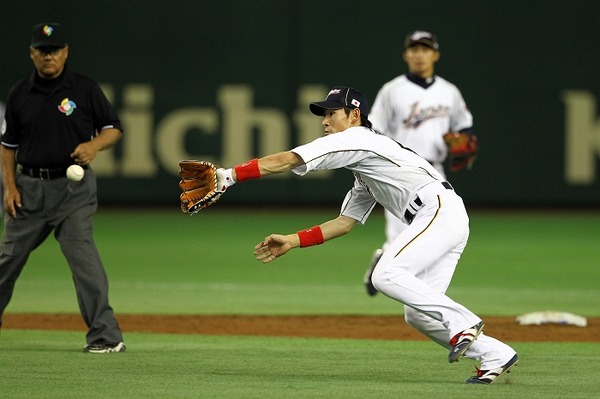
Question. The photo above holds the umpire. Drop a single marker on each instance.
(56, 118)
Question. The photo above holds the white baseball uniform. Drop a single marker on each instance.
(418, 265)
(417, 113)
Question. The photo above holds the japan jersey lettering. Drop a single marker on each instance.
(418, 117)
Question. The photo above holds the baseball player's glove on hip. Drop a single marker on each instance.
(199, 184)
(462, 150)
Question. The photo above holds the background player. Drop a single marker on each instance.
(418, 265)
(417, 109)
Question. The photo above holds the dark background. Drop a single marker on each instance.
(513, 62)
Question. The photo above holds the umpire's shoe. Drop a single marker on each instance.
(489, 376)
(105, 347)
(371, 290)
(463, 341)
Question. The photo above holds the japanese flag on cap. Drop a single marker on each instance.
(341, 97)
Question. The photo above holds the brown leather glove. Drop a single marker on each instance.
(462, 150)
(199, 185)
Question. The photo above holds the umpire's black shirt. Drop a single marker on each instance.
(47, 119)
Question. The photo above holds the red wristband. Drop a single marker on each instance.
(312, 236)
(247, 170)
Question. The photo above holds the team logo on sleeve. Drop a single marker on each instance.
(67, 106)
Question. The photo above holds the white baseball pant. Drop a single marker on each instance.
(417, 267)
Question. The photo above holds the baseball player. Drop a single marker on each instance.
(417, 109)
(417, 267)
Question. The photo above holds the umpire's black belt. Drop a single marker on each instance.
(416, 204)
(46, 173)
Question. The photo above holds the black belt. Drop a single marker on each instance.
(46, 173)
(416, 204)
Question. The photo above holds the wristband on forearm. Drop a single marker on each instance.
(312, 236)
(247, 170)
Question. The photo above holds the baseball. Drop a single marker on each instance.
(75, 173)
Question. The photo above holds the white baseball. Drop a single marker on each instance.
(75, 173)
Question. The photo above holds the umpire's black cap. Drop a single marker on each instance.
(48, 34)
(341, 97)
(422, 37)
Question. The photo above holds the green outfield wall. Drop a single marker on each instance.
(228, 80)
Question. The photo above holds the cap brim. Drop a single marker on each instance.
(424, 42)
(49, 43)
(318, 108)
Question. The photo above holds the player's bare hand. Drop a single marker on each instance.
(272, 247)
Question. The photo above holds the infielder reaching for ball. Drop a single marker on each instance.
(419, 109)
(417, 267)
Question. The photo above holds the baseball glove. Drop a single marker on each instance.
(199, 185)
(462, 150)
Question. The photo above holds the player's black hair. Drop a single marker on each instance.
(364, 121)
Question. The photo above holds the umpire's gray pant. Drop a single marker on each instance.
(67, 208)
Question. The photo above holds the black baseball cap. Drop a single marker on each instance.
(422, 37)
(341, 97)
(49, 34)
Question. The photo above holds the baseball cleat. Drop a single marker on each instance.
(489, 376)
(371, 290)
(105, 347)
(463, 341)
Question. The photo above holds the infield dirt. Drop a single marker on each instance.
(358, 327)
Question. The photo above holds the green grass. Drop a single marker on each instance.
(46, 364)
(164, 262)
(161, 261)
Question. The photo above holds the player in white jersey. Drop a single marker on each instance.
(418, 265)
(417, 109)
